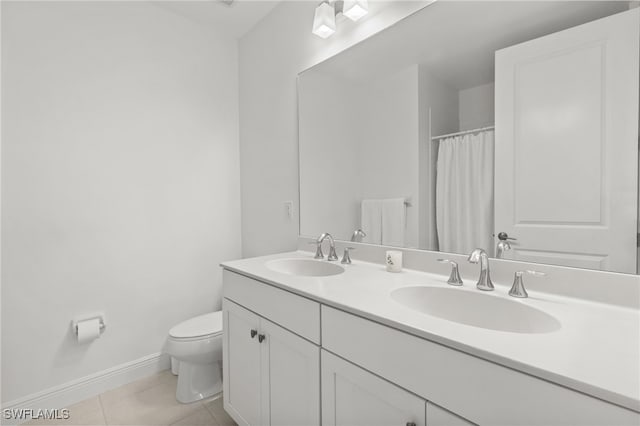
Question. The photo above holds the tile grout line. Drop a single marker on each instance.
(215, 419)
(202, 407)
(127, 396)
(218, 421)
(104, 416)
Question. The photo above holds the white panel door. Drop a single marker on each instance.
(352, 396)
(291, 378)
(567, 145)
(241, 364)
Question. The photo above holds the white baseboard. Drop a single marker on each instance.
(69, 393)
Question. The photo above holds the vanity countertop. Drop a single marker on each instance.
(596, 351)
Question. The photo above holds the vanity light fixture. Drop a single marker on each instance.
(324, 20)
(355, 9)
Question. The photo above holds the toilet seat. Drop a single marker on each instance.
(194, 339)
(200, 327)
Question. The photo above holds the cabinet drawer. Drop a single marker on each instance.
(293, 312)
(478, 390)
(437, 416)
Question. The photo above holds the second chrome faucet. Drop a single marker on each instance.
(484, 281)
(476, 256)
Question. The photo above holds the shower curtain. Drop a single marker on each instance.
(464, 193)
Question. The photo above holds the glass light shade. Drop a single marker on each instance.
(324, 20)
(355, 9)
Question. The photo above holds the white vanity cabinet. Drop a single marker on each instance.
(271, 375)
(478, 390)
(288, 358)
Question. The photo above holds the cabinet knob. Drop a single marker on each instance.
(253, 333)
(411, 424)
(261, 338)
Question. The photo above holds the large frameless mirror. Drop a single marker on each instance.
(511, 126)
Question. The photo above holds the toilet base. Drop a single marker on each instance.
(175, 366)
(198, 381)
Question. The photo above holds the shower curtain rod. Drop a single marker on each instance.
(463, 133)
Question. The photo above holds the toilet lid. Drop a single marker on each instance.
(202, 325)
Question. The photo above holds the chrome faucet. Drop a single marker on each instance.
(501, 247)
(332, 247)
(503, 244)
(357, 236)
(484, 282)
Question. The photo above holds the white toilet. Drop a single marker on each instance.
(197, 346)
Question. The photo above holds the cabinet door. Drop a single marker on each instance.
(291, 378)
(241, 364)
(353, 396)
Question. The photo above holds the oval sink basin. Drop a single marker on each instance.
(476, 309)
(305, 267)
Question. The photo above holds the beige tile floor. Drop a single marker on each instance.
(149, 401)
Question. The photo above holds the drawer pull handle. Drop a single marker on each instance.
(261, 338)
(253, 333)
(411, 424)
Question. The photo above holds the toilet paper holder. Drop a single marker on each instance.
(99, 317)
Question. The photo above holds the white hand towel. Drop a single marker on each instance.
(394, 219)
(371, 221)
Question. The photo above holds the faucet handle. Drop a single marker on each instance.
(454, 278)
(319, 254)
(346, 258)
(517, 289)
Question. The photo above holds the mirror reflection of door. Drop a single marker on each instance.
(567, 145)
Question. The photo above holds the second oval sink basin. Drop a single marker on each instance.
(305, 267)
(476, 309)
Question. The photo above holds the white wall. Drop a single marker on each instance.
(477, 106)
(120, 182)
(270, 57)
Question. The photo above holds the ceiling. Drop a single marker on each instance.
(233, 20)
(456, 40)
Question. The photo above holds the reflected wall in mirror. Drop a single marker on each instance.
(472, 120)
